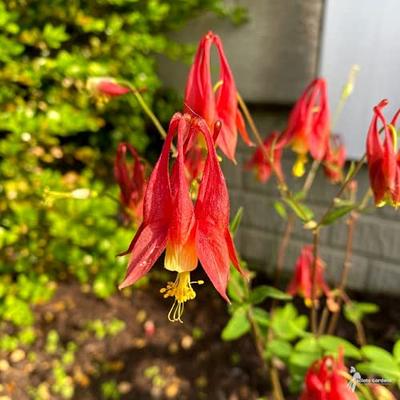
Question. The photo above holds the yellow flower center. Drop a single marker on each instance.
(182, 291)
(299, 166)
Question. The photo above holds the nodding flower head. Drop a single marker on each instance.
(301, 282)
(263, 162)
(334, 160)
(218, 102)
(188, 232)
(325, 381)
(383, 158)
(131, 180)
(309, 125)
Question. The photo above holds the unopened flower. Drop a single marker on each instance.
(131, 180)
(380, 392)
(219, 103)
(262, 164)
(334, 160)
(188, 232)
(383, 158)
(325, 381)
(309, 125)
(106, 86)
(301, 283)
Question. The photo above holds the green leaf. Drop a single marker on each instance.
(287, 324)
(236, 287)
(376, 368)
(396, 351)
(279, 348)
(280, 209)
(379, 355)
(301, 210)
(355, 312)
(302, 359)
(336, 213)
(237, 326)
(308, 345)
(260, 293)
(332, 344)
(237, 219)
(261, 316)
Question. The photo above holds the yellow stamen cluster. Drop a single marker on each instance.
(182, 291)
(299, 166)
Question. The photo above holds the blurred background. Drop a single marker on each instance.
(64, 331)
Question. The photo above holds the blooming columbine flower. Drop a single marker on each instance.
(302, 280)
(324, 381)
(188, 232)
(383, 158)
(261, 164)
(106, 86)
(308, 125)
(131, 180)
(334, 160)
(219, 104)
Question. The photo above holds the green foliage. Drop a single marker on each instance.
(56, 137)
(238, 325)
(355, 311)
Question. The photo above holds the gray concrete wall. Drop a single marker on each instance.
(273, 57)
(376, 239)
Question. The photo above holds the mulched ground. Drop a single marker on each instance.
(153, 358)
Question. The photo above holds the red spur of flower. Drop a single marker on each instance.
(131, 180)
(301, 283)
(334, 160)
(383, 158)
(261, 164)
(309, 125)
(188, 232)
(325, 381)
(219, 103)
(106, 86)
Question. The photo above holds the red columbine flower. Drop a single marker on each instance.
(188, 232)
(308, 126)
(106, 86)
(383, 158)
(131, 180)
(334, 160)
(219, 104)
(262, 165)
(302, 280)
(324, 381)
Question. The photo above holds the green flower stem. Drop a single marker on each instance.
(149, 112)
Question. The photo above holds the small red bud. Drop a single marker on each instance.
(149, 328)
(106, 86)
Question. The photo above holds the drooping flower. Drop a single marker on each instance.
(383, 158)
(334, 160)
(324, 381)
(188, 232)
(301, 283)
(309, 125)
(261, 164)
(131, 180)
(219, 103)
(106, 86)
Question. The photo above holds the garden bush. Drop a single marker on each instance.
(58, 141)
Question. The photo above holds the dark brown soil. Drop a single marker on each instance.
(171, 361)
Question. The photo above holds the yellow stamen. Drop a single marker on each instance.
(298, 169)
(393, 132)
(182, 290)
